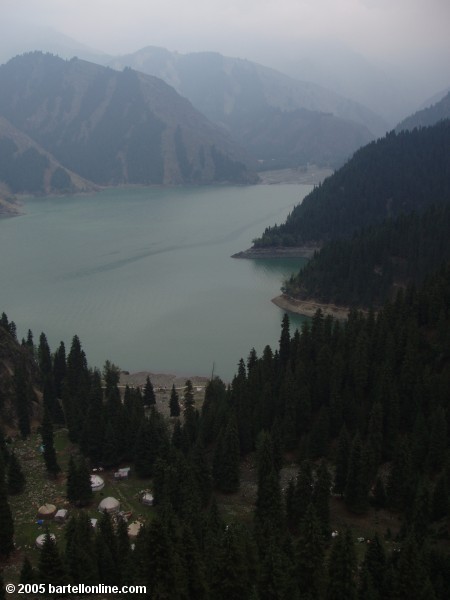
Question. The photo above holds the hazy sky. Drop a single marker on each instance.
(393, 30)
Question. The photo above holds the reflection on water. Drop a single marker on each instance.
(281, 266)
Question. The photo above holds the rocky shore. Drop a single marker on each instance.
(278, 252)
(308, 308)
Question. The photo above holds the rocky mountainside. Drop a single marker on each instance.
(241, 96)
(25, 167)
(114, 127)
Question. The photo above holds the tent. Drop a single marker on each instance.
(134, 528)
(97, 483)
(61, 515)
(41, 539)
(109, 504)
(47, 511)
(147, 499)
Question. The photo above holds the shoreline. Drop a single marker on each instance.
(308, 308)
(160, 380)
(306, 251)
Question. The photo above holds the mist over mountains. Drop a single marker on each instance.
(115, 127)
(158, 116)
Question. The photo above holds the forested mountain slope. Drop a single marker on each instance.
(112, 127)
(357, 412)
(26, 168)
(427, 116)
(367, 269)
(396, 174)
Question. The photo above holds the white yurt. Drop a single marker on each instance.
(134, 528)
(97, 483)
(109, 504)
(47, 511)
(41, 539)
(147, 499)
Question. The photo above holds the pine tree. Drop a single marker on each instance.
(356, 489)
(342, 461)
(321, 498)
(79, 490)
(342, 569)
(302, 495)
(2, 588)
(226, 467)
(22, 400)
(16, 477)
(84, 483)
(51, 567)
(174, 404)
(194, 567)
(309, 556)
(51, 463)
(6, 518)
(188, 396)
(230, 577)
(71, 485)
(149, 397)
(285, 341)
(110, 451)
(268, 511)
(374, 571)
(27, 573)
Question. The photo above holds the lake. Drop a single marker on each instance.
(144, 276)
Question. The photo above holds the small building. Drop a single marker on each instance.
(61, 515)
(110, 505)
(46, 511)
(134, 529)
(122, 473)
(94, 523)
(40, 540)
(97, 483)
(147, 499)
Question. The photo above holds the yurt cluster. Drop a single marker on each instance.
(48, 513)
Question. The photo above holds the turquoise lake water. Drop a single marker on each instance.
(144, 276)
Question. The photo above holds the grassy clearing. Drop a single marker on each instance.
(40, 489)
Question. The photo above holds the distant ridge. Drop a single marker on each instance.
(114, 127)
(251, 101)
(428, 116)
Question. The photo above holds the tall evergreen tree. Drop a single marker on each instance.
(309, 556)
(149, 397)
(356, 489)
(22, 400)
(226, 467)
(174, 403)
(16, 477)
(342, 569)
(268, 512)
(51, 567)
(27, 573)
(51, 462)
(6, 518)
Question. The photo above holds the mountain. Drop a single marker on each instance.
(369, 268)
(396, 174)
(388, 91)
(25, 167)
(241, 96)
(429, 115)
(115, 127)
(16, 37)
